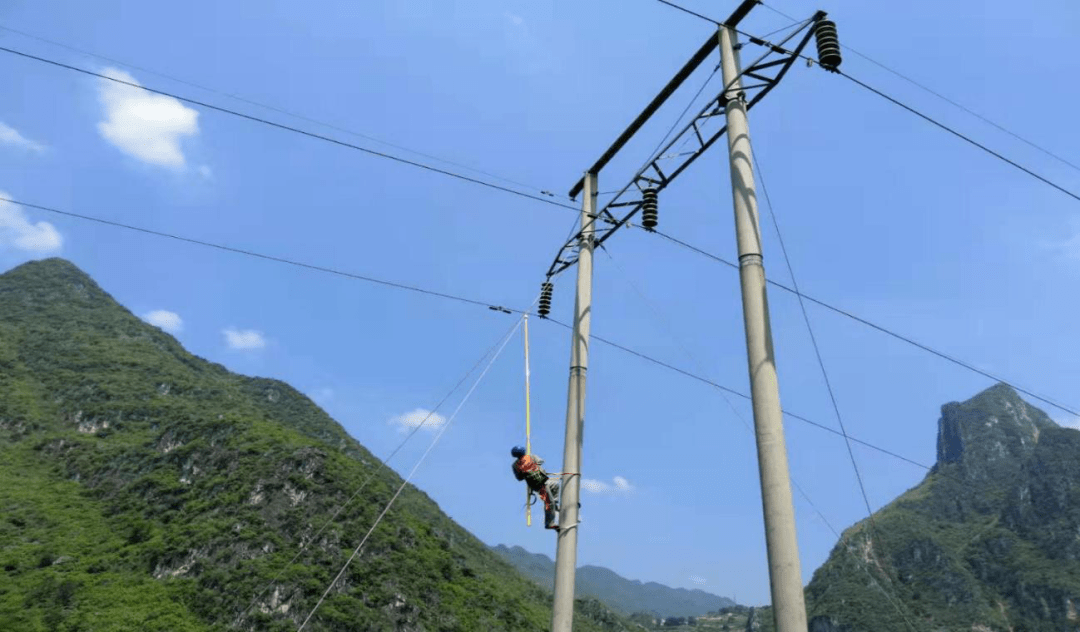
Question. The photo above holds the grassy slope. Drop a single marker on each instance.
(144, 488)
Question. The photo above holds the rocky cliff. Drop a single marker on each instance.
(989, 541)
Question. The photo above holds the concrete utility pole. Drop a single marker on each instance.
(562, 617)
(785, 575)
(640, 195)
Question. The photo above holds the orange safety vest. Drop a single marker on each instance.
(528, 466)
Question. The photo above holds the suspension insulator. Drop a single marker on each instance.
(649, 209)
(545, 299)
(828, 45)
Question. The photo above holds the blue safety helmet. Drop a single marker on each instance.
(517, 452)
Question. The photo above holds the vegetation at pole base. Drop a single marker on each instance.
(989, 541)
(618, 593)
(143, 488)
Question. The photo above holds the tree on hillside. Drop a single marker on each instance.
(644, 618)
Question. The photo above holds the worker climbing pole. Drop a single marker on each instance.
(529, 468)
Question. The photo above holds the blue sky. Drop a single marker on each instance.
(883, 215)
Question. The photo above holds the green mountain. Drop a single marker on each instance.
(143, 488)
(988, 542)
(621, 594)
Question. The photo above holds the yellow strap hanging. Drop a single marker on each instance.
(528, 427)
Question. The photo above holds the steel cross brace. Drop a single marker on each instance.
(699, 134)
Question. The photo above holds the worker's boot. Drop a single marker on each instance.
(549, 519)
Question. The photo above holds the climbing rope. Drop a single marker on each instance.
(434, 442)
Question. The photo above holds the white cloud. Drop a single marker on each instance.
(594, 486)
(206, 172)
(18, 232)
(698, 580)
(169, 321)
(410, 420)
(142, 124)
(516, 20)
(11, 136)
(619, 485)
(244, 338)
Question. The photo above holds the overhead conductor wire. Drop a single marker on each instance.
(273, 108)
(915, 111)
(670, 330)
(296, 130)
(874, 539)
(250, 253)
(813, 338)
(943, 97)
(500, 308)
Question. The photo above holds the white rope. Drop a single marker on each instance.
(370, 476)
(434, 441)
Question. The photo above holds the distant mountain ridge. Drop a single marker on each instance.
(627, 596)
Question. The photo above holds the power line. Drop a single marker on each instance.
(274, 109)
(405, 482)
(969, 111)
(813, 340)
(942, 97)
(912, 110)
(895, 602)
(875, 533)
(799, 23)
(952, 131)
(462, 299)
(653, 154)
(727, 389)
(875, 326)
(295, 130)
(486, 184)
(250, 253)
(716, 22)
(688, 11)
(659, 316)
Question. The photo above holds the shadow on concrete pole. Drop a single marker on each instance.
(785, 575)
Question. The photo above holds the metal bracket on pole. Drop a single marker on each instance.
(690, 143)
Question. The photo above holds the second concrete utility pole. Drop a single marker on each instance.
(785, 575)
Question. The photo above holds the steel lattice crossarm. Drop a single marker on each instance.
(694, 138)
